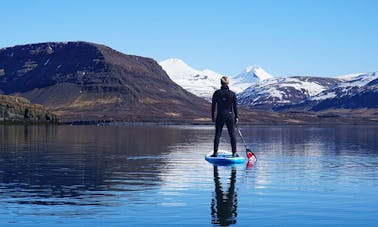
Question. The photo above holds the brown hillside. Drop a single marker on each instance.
(82, 81)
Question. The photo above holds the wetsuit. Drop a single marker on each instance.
(225, 101)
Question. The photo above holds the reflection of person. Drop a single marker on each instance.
(224, 204)
(227, 112)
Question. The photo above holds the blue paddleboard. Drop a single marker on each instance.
(224, 158)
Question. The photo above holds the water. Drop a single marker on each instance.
(132, 175)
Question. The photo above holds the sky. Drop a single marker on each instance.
(285, 37)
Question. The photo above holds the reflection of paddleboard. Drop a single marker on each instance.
(224, 158)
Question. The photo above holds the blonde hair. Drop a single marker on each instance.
(225, 80)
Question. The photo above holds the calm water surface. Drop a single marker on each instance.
(131, 175)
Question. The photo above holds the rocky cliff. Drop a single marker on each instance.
(20, 110)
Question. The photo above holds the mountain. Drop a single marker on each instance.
(313, 93)
(257, 89)
(204, 83)
(201, 83)
(347, 86)
(277, 92)
(83, 81)
(250, 76)
(360, 91)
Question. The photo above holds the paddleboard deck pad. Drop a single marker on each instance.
(224, 158)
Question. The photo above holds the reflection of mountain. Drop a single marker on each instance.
(76, 165)
(225, 202)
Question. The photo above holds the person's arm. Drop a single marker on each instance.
(235, 107)
(213, 104)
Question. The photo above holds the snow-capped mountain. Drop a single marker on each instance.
(249, 76)
(201, 83)
(347, 86)
(256, 88)
(313, 93)
(360, 91)
(204, 83)
(276, 92)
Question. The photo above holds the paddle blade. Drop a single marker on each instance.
(251, 156)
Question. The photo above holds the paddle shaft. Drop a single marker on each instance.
(241, 136)
(247, 150)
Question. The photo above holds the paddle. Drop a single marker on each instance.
(248, 151)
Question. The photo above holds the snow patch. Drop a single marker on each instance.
(324, 96)
(311, 88)
(358, 80)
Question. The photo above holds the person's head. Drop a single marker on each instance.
(225, 81)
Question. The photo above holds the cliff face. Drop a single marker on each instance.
(83, 81)
(20, 110)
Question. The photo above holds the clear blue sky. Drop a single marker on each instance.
(285, 37)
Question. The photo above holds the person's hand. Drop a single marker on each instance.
(236, 120)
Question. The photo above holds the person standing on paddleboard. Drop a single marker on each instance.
(224, 101)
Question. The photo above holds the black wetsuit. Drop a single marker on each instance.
(225, 101)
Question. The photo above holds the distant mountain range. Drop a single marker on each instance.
(257, 89)
(312, 93)
(360, 91)
(277, 92)
(204, 83)
(87, 82)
